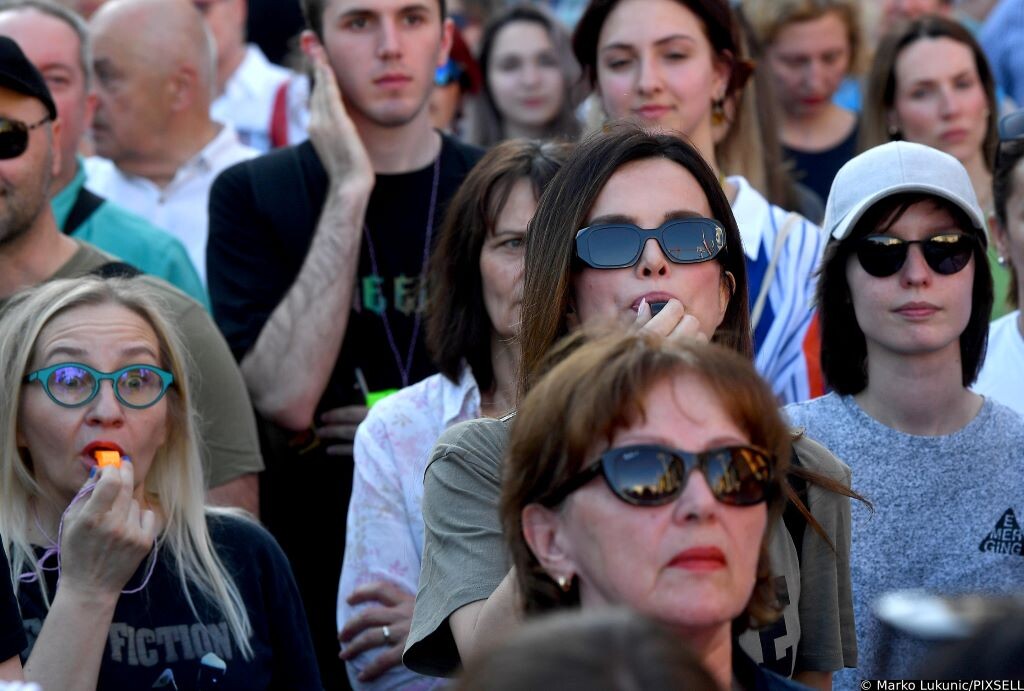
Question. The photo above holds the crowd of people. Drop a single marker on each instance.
(607, 344)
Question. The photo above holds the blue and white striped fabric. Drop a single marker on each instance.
(780, 333)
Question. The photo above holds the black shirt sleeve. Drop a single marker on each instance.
(262, 216)
(12, 634)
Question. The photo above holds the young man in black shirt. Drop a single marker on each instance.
(316, 262)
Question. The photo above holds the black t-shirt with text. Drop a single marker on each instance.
(154, 633)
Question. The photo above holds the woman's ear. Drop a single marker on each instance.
(997, 234)
(892, 124)
(544, 533)
(727, 290)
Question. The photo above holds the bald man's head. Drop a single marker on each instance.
(154, 65)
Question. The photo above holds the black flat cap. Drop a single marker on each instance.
(18, 74)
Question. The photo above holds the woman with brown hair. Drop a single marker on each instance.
(930, 83)
(606, 244)
(475, 289)
(607, 500)
(678, 66)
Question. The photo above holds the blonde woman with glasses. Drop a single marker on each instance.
(125, 579)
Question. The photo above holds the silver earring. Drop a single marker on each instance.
(564, 583)
(1001, 260)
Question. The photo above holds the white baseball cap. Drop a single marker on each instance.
(897, 168)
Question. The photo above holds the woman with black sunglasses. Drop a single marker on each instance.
(904, 297)
(613, 496)
(608, 245)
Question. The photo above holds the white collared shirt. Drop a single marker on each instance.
(249, 96)
(180, 208)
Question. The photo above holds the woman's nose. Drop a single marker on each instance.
(697, 501)
(105, 408)
(652, 260)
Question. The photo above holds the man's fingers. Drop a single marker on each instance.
(345, 415)
(344, 432)
(384, 592)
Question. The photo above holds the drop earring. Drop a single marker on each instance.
(565, 583)
(718, 112)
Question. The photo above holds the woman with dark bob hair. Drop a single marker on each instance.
(475, 289)
(931, 83)
(608, 245)
(904, 297)
(602, 502)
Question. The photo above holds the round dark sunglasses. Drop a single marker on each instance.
(619, 245)
(946, 254)
(72, 384)
(14, 136)
(652, 474)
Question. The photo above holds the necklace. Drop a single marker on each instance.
(405, 366)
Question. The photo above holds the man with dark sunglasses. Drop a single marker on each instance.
(33, 250)
(55, 40)
(316, 259)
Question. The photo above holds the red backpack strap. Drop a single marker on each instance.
(279, 116)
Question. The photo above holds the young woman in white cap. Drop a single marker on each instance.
(904, 296)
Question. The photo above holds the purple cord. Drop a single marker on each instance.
(54, 548)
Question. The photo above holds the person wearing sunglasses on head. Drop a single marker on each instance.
(904, 296)
(1002, 374)
(607, 245)
(124, 577)
(645, 472)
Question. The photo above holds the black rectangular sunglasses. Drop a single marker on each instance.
(619, 245)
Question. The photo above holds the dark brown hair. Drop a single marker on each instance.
(611, 649)
(598, 387)
(1003, 187)
(489, 122)
(843, 347)
(563, 210)
(880, 90)
(457, 324)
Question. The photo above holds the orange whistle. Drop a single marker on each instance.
(105, 458)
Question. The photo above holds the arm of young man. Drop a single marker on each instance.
(227, 426)
(288, 367)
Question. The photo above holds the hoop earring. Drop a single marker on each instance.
(718, 112)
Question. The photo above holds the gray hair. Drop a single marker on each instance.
(66, 15)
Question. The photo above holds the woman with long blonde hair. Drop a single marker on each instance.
(123, 574)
